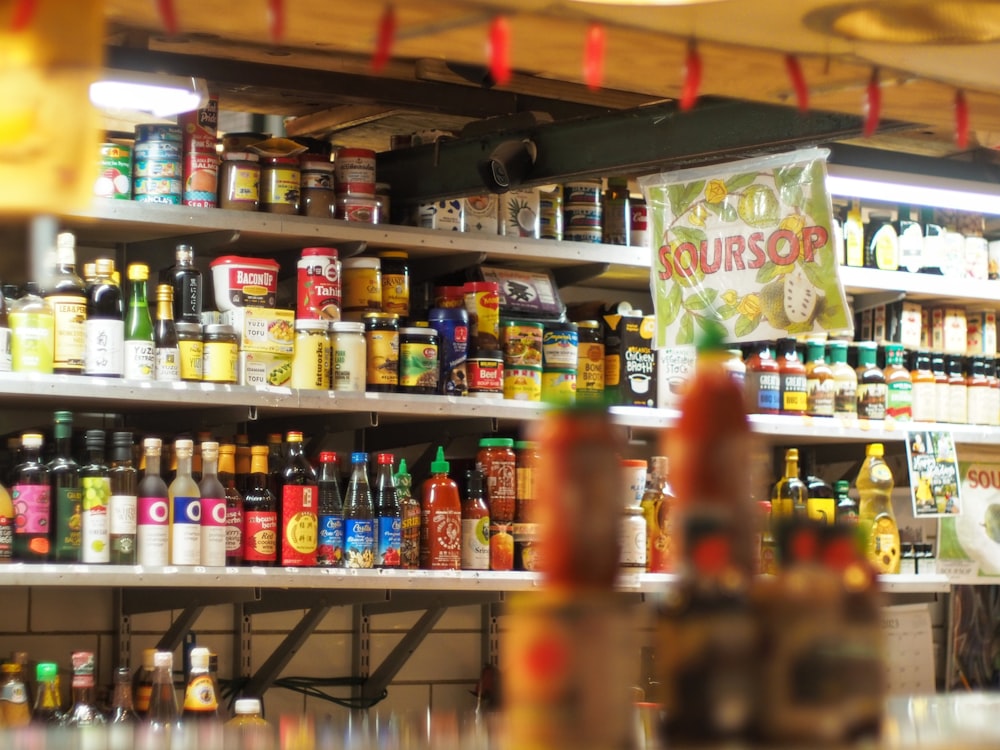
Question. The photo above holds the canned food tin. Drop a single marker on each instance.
(280, 185)
(200, 126)
(482, 302)
(158, 168)
(582, 217)
(201, 175)
(192, 351)
(582, 191)
(550, 215)
(522, 383)
(319, 291)
(311, 363)
(355, 170)
(580, 234)
(349, 356)
(395, 282)
(239, 181)
(221, 354)
(157, 132)
(115, 178)
(362, 287)
(363, 209)
(419, 367)
(170, 199)
(640, 223)
(158, 151)
(452, 325)
(559, 346)
(382, 351)
(590, 362)
(485, 371)
(559, 387)
(522, 343)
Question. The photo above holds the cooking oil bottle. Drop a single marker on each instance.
(875, 516)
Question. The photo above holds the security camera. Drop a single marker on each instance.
(508, 165)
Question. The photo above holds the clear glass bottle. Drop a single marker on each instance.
(331, 513)
(152, 540)
(871, 383)
(167, 368)
(123, 719)
(95, 484)
(67, 498)
(84, 713)
(388, 515)
(359, 516)
(33, 501)
(124, 501)
(140, 341)
(213, 507)
(161, 728)
(185, 510)
(299, 523)
(67, 296)
(234, 504)
(105, 327)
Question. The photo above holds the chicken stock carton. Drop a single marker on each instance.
(634, 370)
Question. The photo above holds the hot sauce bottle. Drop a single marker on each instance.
(440, 519)
(793, 378)
(763, 381)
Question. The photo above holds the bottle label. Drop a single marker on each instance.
(359, 541)
(200, 694)
(68, 522)
(899, 400)
(188, 297)
(143, 694)
(793, 393)
(191, 359)
(105, 352)
(633, 543)
(234, 532)
(6, 538)
(871, 400)
(69, 315)
(140, 360)
(31, 342)
(612, 370)
(821, 397)
(441, 546)
(924, 402)
(32, 509)
(121, 514)
(213, 531)
(260, 536)
(13, 692)
(153, 531)
(167, 368)
(299, 525)
(476, 543)
(501, 546)
(185, 531)
(958, 409)
(409, 547)
(95, 542)
(6, 360)
(387, 542)
(331, 540)
(845, 397)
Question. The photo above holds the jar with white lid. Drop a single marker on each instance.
(350, 360)
(311, 362)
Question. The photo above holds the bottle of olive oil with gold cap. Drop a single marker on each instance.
(875, 516)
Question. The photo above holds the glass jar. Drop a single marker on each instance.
(221, 354)
(361, 287)
(418, 360)
(311, 362)
(239, 181)
(349, 356)
(317, 196)
(382, 351)
(395, 268)
(192, 351)
(590, 362)
(280, 180)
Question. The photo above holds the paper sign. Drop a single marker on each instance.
(934, 478)
(969, 544)
(745, 248)
(909, 662)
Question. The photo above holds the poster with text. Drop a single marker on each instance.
(969, 544)
(934, 480)
(746, 249)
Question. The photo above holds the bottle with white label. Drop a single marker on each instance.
(185, 509)
(475, 523)
(140, 349)
(105, 327)
(152, 510)
(95, 486)
(213, 507)
(168, 357)
(122, 506)
(66, 295)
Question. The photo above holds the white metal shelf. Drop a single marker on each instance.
(920, 286)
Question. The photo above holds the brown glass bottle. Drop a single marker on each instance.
(871, 383)
(260, 513)
(234, 504)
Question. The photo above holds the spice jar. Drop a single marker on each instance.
(349, 356)
(192, 350)
(317, 196)
(311, 363)
(239, 181)
(280, 184)
(382, 351)
(221, 354)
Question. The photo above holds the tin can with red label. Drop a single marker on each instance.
(200, 127)
(640, 223)
(485, 373)
(354, 171)
(482, 302)
(319, 285)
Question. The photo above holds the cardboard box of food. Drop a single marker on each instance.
(636, 367)
(481, 214)
(981, 332)
(674, 368)
(263, 330)
(262, 368)
(949, 333)
(910, 325)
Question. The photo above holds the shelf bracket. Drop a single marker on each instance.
(572, 275)
(278, 660)
(283, 600)
(252, 413)
(179, 628)
(375, 685)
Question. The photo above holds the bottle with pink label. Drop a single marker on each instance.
(32, 503)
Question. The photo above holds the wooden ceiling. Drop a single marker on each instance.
(742, 44)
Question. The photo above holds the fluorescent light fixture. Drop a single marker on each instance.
(162, 95)
(913, 190)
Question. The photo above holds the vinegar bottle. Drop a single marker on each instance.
(67, 295)
(123, 502)
(299, 520)
(95, 483)
(440, 519)
(153, 512)
(185, 510)
(875, 516)
(32, 501)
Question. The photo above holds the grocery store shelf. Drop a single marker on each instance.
(919, 286)
(914, 584)
(813, 430)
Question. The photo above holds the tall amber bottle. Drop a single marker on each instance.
(924, 397)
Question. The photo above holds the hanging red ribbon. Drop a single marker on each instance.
(798, 80)
(692, 77)
(593, 57)
(961, 120)
(24, 11)
(384, 39)
(500, 50)
(168, 15)
(873, 105)
(276, 20)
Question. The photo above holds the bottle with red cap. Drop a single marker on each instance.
(330, 552)
(388, 515)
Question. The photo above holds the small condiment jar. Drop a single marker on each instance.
(382, 351)
(395, 269)
(419, 366)
(192, 351)
(317, 198)
(239, 181)
(221, 354)
(361, 287)
(484, 371)
(349, 356)
(311, 363)
(280, 181)
(978, 392)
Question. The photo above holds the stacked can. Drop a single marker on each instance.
(114, 179)
(317, 306)
(550, 215)
(522, 358)
(157, 173)
(560, 345)
(485, 368)
(582, 211)
(354, 177)
(201, 158)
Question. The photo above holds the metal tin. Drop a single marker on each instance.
(355, 170)
(452, 325)
(200, 127)
(577, 217)
(280, 184)
(361, 280)
(579, 234)
(482, 302)
(349, 356)
(639, 236)
(239, 181)
(317, 196)
(115, 178)
(221, 354)
(590, 362)
(201, 179)
(157, 132)
(158, 168)
(191, 349)
(559, 387)
(485, 373)
(395, 268)
(559, 346)
(522, 383)
(550, 215)
(319, 284)
(157, 151)
(582, 191)
(363, 209)
(419, 365)
(382, 351)
(522, 343)
(311, 362)
(157, 190)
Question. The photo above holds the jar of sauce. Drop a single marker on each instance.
(924, 398)
(395, 268)
(899, 385)
(440, 519)
(311, 362)
(941, 388)
(978, 392)
(221, 354)
(192, 351)
(361, 287)
(239, 181)
(349, 356)
(382, 351)
(497, 460)
(763, 381)
(845, 381)
(589, 363)
(418, 360)
(280, 181)
(871, 383)
(820, 385)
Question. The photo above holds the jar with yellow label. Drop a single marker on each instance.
(382, 346)
(311, 363)
(280, 178)
(239, 181)
(590, 363)
(221, 354)
(192, 351)
(361, 287)
(395, 269)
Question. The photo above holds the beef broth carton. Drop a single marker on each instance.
(630, 360)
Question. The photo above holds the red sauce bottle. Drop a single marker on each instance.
(763, 381)
(793, 378)
(440, 519)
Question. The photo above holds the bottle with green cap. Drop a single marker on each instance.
(440, 519)
(847, 508)
(871, 383)
(48, 704)
(409, 551)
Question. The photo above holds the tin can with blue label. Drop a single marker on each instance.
(452, 325)
(560, 343)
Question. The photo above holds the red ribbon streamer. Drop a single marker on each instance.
(276, 20)
(385, 38)
(168, 15)
(798, 80)
(24, 11)
(873, 105)
(500, 50)
(692, 77)
(593, 57)
(961, 120)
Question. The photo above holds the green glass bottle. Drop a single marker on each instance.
(140, 347)
(64, 476)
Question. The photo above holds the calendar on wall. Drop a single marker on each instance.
(909, 645)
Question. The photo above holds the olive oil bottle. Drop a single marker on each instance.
(875, 516)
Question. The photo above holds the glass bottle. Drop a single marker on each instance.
(409, 545)
(6, 363)
(142, 682)
(234, 504)
(168, 356)
(958, 392)
(657, 505)
(200, 700)
(202, 437)
(875, 514)
(260, 513)
(7, 520)
(736, 367)
(845, 380)
(162, 723)
(911, 240)
(32, 501)
(820, 502)
(185, 510)
(847, 508)
(871, 383)
(820, 383)
(899, 385)
(95, 484)
(978, 394)
(14, 707)
(440, 519)
(67, 296)
(124, 501)
(388, 515)
(359, 516)
(83, 713)
(299, 504)
(275, 461)
(67, 498)
(475, 523)
(788, 499)
(105, 328)
(140, 342)
(763, 381)
(793, 378)
(32, 332)
(213, 507)
(186, 285)
(994, 402)
(924, 396)
(934, 243)
(942, 393)
(242, 463)
(854, 241)
(617, 216)
(152, 539)
(121, 732)
(331, 513)
(48, 703)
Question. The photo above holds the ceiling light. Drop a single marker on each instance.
(913, 190)
(911, 21)
(161, 95)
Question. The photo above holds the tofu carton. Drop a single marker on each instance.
(261, 368)
(263, 330)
